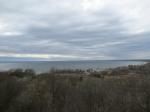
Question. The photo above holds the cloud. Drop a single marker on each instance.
(74, 30)
(38, 56)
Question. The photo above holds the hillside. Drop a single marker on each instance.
(123, 89)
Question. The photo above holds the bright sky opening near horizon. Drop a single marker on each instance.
(74, 29)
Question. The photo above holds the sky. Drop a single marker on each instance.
(57, 30)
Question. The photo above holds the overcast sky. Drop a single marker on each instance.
(74, 29)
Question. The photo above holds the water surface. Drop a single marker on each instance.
(46, 66)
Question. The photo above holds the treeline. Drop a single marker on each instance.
(25, 91)
(136, 70)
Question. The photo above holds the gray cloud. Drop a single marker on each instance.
(69, 30)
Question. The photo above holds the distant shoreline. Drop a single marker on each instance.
(81, 70)
(11, 61)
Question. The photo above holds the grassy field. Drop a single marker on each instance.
(123, 89)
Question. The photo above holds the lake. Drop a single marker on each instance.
(44, 66)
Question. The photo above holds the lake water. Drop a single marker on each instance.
(46, 66)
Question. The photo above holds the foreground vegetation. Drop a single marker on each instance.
(124, 89)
